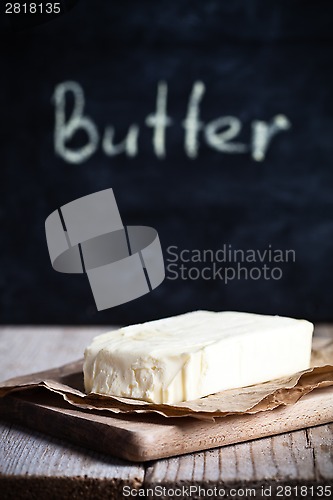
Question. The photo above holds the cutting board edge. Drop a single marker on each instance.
(141, 445)
(13, 413)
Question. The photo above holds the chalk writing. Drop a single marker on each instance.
(218, 134)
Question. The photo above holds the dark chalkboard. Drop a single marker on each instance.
(213, 123)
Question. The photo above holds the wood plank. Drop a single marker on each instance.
(150, 437)
(33, 465)
(26, 349)
(320, 442)
(29, 452)
(305, 455)
(323, 330)
(36, 466)
(286, 458)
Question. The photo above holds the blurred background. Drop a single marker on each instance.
(213, 123)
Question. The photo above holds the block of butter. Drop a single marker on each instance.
(195, 354)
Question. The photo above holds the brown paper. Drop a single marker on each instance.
(67, 381)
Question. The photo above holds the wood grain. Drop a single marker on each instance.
(297, 456)
(47, 456)
(26, 349)
(33, 465)
(150, 437)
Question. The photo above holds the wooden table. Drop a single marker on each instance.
(33, 465)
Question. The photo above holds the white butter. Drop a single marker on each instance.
(195, 354)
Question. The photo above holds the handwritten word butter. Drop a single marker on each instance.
(219, 134)
(195, 354)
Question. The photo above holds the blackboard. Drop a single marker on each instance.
(212, 122)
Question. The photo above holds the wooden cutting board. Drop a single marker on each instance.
(149, 437)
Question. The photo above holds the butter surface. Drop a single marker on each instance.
(195, 354)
